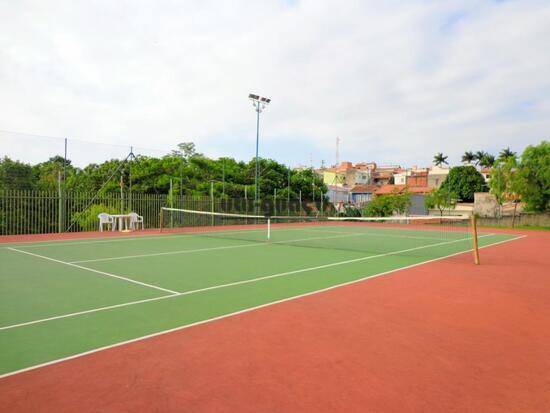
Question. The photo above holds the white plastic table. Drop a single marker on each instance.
(121, 218)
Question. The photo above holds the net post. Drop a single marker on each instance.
(268, 229)
(161, 218)
(474, 235)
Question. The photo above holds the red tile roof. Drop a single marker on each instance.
(388, 189)
(364, 189)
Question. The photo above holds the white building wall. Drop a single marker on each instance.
(400, 178)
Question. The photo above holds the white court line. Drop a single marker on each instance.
(251, 244)
(96, 271)
(246, 310)
(382, 234)
(215, 287)
(65, 242)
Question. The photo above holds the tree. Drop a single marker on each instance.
(49, 172)
(379, 206)
(506, 153)
(16, 175)
(440, 159)
(387, 205)
(503, 182)
(468, 157)
(305, 181)
(186, 150)
(487, 161)
(478, 156)
(401, 202)
(534, 177)
(440, 199)
(464, 181)
(184, 170)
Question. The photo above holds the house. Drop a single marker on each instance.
(411, 177)
(366, 166)
(436, 176)
(417, 179)
(358, 177)
(332, 177)
(400, 178)
(486, 173)
(385, 174)
(338, 194)
(346, 174)
(361, 194)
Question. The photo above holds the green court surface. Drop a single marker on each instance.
(59, 299)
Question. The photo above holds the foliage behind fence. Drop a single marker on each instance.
(35, 212)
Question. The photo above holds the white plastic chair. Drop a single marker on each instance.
(105, 219)
(135, 221)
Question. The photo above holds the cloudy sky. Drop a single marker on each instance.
(397, 81)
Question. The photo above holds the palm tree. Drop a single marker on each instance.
(506, 153)
(487, 161)
(440, 159)
(479, 155)
(468, 157)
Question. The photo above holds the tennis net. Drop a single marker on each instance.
(426, 236)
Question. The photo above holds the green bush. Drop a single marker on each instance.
(387, 205)
(440, 199)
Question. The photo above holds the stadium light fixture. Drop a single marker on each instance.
(259, 103)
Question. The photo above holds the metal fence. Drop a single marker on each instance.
(37, 212)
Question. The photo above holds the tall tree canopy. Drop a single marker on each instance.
(507, 153)
(534, 177)
(487, 161)
(189, 172)
(464, 181)
(440, 159)
(468, 157)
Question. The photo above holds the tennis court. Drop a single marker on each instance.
(61, 299)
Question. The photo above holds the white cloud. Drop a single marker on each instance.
(397, 81)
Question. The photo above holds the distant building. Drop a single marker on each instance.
(366, 166)
(417, 179)
(436, 176)
(411, 177)
(361, 194)
(400, 178)
(331, 177)
(359, 183)
(346, 174)
(338, 194)
(383, 175)
(486, 173)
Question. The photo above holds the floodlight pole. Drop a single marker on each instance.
(257, 174)
(259, 104)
